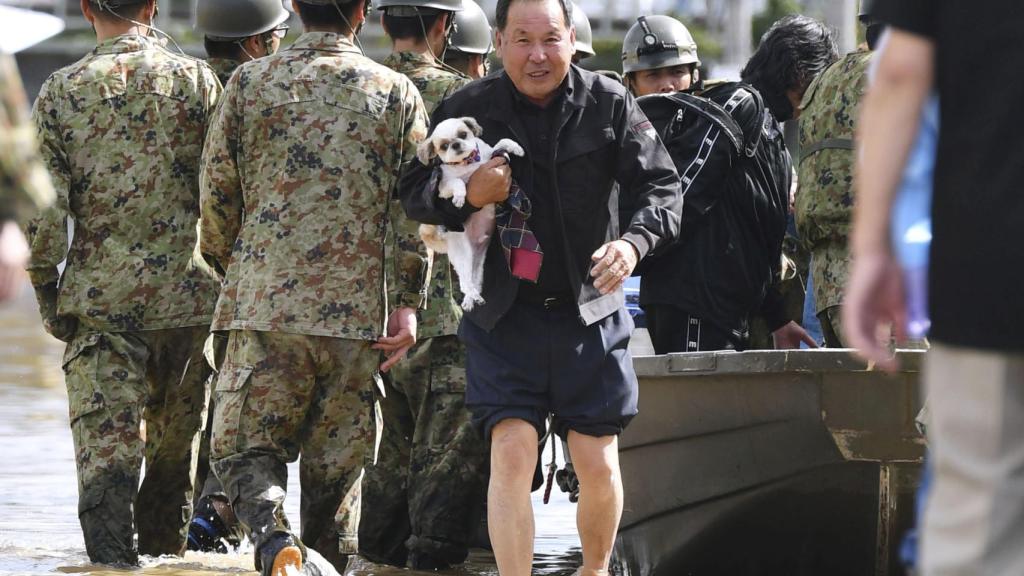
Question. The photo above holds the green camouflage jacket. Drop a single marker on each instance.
(24, 184)
(435, 82)
(824, 203)
(223, 68)
(122, 133)
(301, 162)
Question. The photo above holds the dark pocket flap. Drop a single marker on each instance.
(77, 347)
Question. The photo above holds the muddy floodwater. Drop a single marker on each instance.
(39, 531)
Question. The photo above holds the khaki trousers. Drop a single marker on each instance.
(974, 520)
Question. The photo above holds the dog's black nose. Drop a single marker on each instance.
(457, 146)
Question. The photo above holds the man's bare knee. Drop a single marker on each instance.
(595, 459)
(513, 450)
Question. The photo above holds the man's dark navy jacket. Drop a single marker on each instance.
(604, 146)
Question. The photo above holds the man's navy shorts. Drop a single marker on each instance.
(539, 361)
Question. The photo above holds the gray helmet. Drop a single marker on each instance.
(472, 30)
(657, 42)
(232, 19)
(584, 35)
(415, 7)
(866, 8)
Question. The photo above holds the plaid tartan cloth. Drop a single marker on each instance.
(523, 253)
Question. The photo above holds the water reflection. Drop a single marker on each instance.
(39, 531)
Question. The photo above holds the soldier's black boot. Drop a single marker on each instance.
(210, 530)
(280, 556)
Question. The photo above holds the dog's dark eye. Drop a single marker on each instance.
(463, 134)
(444, 146)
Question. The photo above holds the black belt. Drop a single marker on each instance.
(547, 301)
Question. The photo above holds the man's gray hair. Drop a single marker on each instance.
(501, 12)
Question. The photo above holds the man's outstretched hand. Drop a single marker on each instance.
(401, 336)
(613, 263)
(874, 302)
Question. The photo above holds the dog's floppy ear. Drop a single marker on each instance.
(473, 125)
(426, 151)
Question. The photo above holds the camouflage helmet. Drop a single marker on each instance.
(232, 19)
(472, 30)
(584, 34)
(417, 7)
(657, 42)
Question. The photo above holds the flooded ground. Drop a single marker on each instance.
(39, 531)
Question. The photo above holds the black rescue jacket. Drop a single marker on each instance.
(736, 175)
(605, 145)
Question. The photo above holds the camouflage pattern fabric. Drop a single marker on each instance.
(435, 82)
(24, 184)
(279, 395)
(115, 380)
(824, 205)
(122, 133)
(414, 499)
(223, 68)
(299, 167)
(424, 495)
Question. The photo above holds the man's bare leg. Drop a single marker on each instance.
(596, 461)
(509, 509)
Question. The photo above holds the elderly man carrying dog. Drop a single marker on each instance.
(551, 338)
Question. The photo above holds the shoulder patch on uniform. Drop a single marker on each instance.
(645, 128)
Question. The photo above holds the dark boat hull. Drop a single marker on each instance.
(768, 463)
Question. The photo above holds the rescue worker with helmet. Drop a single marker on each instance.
(121, 132)
(727, 143)
(236, 31)
(421, 499)
(659, 56)
(471, 42)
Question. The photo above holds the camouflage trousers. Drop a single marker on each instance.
(215, 349)
(281, 395)
(115, 381)
(424, 495)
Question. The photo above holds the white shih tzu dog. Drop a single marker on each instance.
(457, 143)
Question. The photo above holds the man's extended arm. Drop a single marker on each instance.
(407, 282)
(48, 231)
(220, 187)
(888, 125)
(649, 180)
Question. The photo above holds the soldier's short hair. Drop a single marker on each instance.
(128, 9)
(409, 27)
(326, 15)
(501, 11)
(227, 49)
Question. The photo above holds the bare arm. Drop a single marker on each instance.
(887, 127)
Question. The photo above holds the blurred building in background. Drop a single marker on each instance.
(726, 30)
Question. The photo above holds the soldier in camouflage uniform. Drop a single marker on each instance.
(471, 42)
(24, 184)
(824, 205)
(122, 133)
(299, 170)
(236, 31)
(423, 496)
